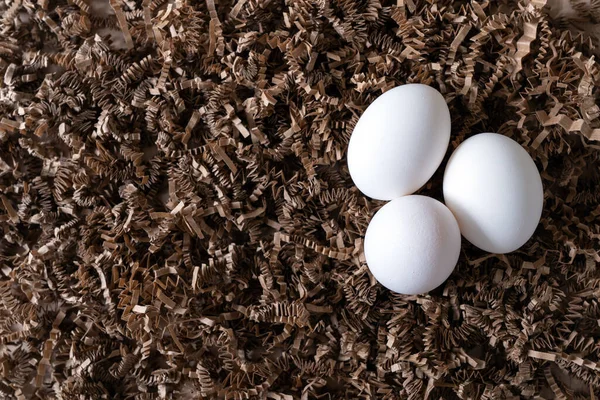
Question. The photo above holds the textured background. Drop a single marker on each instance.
(178, 221)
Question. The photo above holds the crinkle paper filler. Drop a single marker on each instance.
(177, 219)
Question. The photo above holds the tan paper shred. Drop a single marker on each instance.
(117, 7)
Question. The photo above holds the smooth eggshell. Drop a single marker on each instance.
(399, 141)
(494, 189)
(412, 244)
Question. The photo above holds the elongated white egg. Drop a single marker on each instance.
(494, 190)
(399, 141)
(412, 244)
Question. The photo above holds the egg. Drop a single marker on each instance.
(494, 190)
(412, 244)
(399, 141)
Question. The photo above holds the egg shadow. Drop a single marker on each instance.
(469, 220)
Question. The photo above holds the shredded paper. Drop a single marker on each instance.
(177, 219)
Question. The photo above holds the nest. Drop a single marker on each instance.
(177, 219)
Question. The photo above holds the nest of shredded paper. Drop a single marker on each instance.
(177, 219)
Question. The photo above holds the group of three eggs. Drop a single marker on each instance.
(492, 189)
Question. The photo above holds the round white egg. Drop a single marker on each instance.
(399, 141)
(494, 190)
(412, 244)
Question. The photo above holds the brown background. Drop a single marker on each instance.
(178, 220)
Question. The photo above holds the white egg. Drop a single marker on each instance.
(399, 141)
(412, 244)
(494, 190)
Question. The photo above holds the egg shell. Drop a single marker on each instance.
(399, 141)
(494, 190)
(412, 244)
